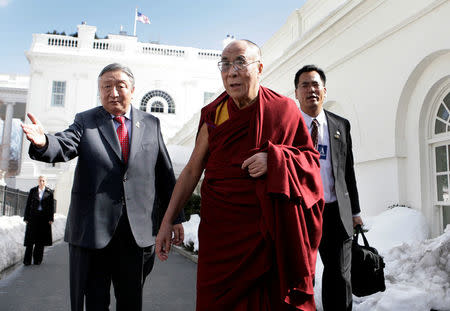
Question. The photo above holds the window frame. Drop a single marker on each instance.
(58, 97)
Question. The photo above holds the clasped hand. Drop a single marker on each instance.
(256, 164)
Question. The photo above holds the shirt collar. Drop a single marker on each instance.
(321, 118)
(127, 114)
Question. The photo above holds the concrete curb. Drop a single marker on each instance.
(182, 251)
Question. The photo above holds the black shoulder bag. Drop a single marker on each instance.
(367, 267)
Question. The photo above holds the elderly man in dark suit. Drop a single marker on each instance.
(122, 185)
(331, 136)
(39, 218)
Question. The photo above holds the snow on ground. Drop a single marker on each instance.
(417, 270)
(12, 233)
(394, 227)
(190, 231)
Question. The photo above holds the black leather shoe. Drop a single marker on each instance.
(26, 263)
(37, 262)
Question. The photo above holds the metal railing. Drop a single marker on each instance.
(109, 45)
(12, 201)
(62, 41)
(214, 55)
(161, 50)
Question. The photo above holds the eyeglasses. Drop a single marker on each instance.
(238, 64)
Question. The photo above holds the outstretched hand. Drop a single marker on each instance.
(35, 131)
(256, 164)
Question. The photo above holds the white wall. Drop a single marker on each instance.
(429, 81)
(184, 73)
(370, 51)
(385, 60)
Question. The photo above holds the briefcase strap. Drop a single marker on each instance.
(359, 230)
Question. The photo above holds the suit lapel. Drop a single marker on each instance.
(45, 193)
(335, 141)
(106, 127)
(137, 130)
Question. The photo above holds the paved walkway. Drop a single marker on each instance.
(171, 286)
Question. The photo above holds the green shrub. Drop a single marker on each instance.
(190, 248)
(192, 206)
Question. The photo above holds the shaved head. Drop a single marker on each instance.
(253, 45)
(250, 45)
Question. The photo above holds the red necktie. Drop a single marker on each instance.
(122, 133)
(315, 132)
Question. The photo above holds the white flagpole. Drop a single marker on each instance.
(135, 16)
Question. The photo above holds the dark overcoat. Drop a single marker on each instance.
(38, 229)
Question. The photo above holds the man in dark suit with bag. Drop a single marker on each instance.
(39, 218)
(331, 135)
(122, 185)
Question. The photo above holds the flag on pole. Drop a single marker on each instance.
(142, 18)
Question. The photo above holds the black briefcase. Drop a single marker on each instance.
(367, 267)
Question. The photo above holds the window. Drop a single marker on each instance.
(53, 165)
(158, 100)
(441, 159)
(58, 93)
(171, 109)
(99, 100)
(442, 122)
(442, 173)
(207, 97)
(157, 106)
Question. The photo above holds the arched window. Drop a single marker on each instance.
(157, 106)
(441, 161)
(157, 100)
(442, 121)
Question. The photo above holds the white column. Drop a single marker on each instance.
(6, 141)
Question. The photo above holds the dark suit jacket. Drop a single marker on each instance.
(103, 183)
(38, 229)
(343, 170)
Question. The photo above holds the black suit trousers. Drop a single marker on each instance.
(336, 253)
(36, 251)
(120, 262)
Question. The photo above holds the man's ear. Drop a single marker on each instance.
(297, 96)
(260, 68)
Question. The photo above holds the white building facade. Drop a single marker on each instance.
(388, 71)
(13, 97)
(171, 82)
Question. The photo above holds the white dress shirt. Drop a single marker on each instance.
(41, 195)
(326, 170)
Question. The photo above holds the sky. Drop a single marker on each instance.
(416, 272)
(198, 23)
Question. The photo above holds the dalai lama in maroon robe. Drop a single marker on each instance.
(262, 197)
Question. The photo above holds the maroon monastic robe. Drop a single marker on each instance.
(258, 237)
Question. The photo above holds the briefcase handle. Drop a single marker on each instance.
(358, 230)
